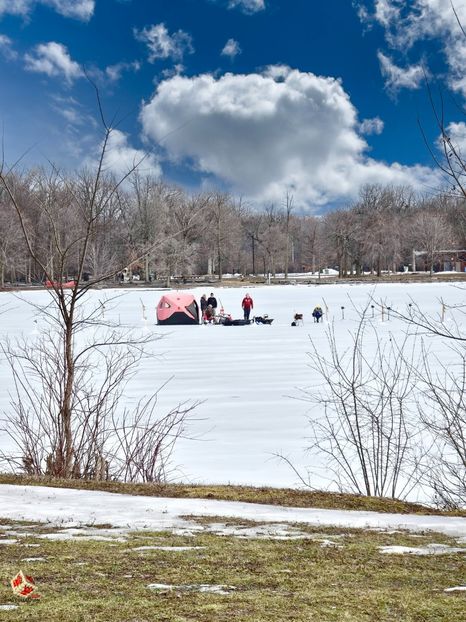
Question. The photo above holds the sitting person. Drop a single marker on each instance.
(209, 314)
(317, 314)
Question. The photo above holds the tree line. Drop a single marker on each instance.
(159, 230)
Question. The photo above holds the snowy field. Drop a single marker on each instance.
(248, 378)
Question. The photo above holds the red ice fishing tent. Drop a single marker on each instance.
(177, 308)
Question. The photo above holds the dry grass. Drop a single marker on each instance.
(275, 581)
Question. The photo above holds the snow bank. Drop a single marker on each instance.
(81, 507)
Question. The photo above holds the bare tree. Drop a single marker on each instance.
(341, 229)
(223, 230)
(108, 441)
(432, 234)
(288, 210)
(86, 203)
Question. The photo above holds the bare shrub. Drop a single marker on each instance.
(441, 401)
(443, 411)
(367, 432)
(108, 440)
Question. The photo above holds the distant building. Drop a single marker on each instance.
(445, 260)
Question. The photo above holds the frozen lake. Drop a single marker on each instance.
(247, 378)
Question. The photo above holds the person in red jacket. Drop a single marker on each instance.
(247, 305)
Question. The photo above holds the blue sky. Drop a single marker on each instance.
(258, 97)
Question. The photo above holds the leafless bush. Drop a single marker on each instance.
(367, 432)
(443, 411)
(441, 380)
(143, 444)
(444, 414)
(105, 359)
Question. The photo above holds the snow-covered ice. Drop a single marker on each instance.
(246, 378)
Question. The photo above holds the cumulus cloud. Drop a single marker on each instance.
(120, 157)
(231, 48)
(407, 23)
(54, 60)
(247, 6)
(77, 9)
(162, 44)
(371, 126)
(265, 133)
(6, 48)
(397, 78)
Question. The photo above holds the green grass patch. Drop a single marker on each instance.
(247, 494)
(84, 581)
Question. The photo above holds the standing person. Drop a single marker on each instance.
(204, 303)
(212, 301)
(317, 314)
(247, 305)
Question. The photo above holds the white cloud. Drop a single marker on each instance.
(231, 48)
(164, 45)
(456, 133)
(54, 60)
(247, 6)
(396, 77)
(176, 70)
(73, 112)
(114, 72)
(77, 9)
(6, 48)
(120, 157)
(264, 133)
(407, 23)
(371, 126)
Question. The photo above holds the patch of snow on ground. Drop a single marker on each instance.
(203, 587)
(457, 588)
(430, 549)
(175, 549)
(274, 531)
(330, 544)
(58, 506)
(66, 537)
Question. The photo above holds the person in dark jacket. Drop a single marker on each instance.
(204, 303)
(247, 305)
(317, 314)
(212, 301)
